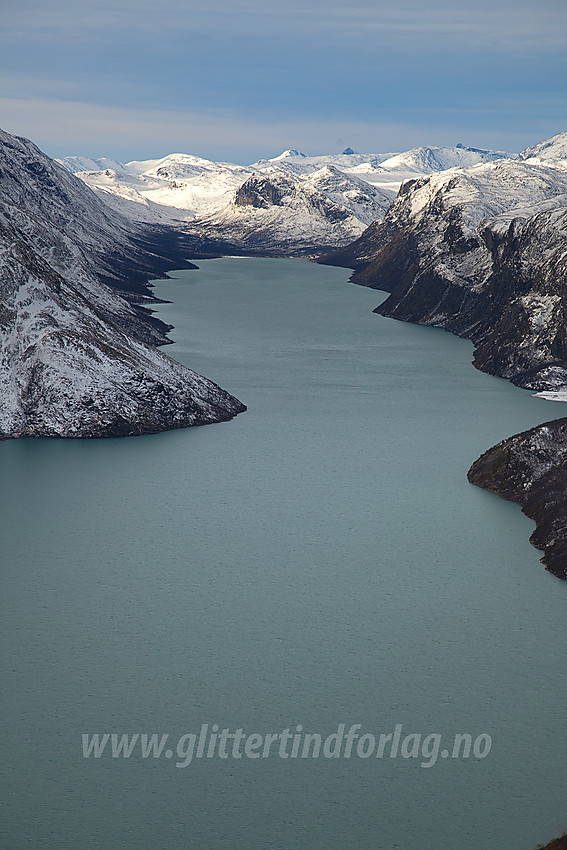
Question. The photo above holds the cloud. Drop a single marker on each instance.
(242, 78)
(509, 24)
(63, 128)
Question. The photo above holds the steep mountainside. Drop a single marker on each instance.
(531, 469)
(74, 356)
(482, 252)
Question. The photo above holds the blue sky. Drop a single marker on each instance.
(248, 78)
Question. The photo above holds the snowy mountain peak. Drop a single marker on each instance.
(551, 151)
(431, 159)
(75, 164)
(287, 154)
(348, 152)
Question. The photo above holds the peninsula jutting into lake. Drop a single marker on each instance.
(473, 242)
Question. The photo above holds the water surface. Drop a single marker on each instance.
(321, 559)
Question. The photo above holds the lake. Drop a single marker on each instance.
(320, 560)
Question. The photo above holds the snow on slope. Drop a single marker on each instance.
(280, 214)
(480, 251)
(551, 152)
(182, 187)
(124, 193)
(426, 160)
(177, 187)
(73, 362)
(296, 162)
(75, 164)
(365, 201)
(386, 171)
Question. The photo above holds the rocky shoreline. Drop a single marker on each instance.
(482, 253)
(531, 469)
(78, 341)
(556, 844)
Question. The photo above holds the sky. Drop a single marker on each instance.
(237, 80)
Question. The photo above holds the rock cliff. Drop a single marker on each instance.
(76, 349)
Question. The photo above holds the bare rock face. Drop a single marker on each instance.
(76, 355)
(531, 469)
(280, 214)
(482, 252)
(260, 192)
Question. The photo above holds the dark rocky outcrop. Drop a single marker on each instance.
(482, 252)
(556, 844)
(531, 470)
(259, 191)
(497, 280)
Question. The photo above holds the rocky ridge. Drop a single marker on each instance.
(276, 214)
(531, 469)
(76, 349)
(482, 252)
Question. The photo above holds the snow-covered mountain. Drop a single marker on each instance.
(551, 152)
(74, 354)
(75, 164)
(275, 213)
(175, 188)
(181, 187)
(427, 160)
(468, 249)
(297, 162)
(367, 202)
(482, 252)
(386, 170)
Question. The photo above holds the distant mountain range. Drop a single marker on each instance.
(322, 201)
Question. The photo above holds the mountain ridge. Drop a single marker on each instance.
(482, 252)
(77, 355)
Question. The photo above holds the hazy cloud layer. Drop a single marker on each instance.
(484, 73)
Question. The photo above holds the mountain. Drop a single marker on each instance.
(551, 152)
(123, 193)
(77, 356)
(297, 163)
(482, 252)
(386, 171)
(367, 202)
(427, 160)
(184, 188)
(181, 187)
(75, 164)
(275, 213)
(289, 154)
(175, 188)
(529, 469)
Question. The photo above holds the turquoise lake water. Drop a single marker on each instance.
(320, 560)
